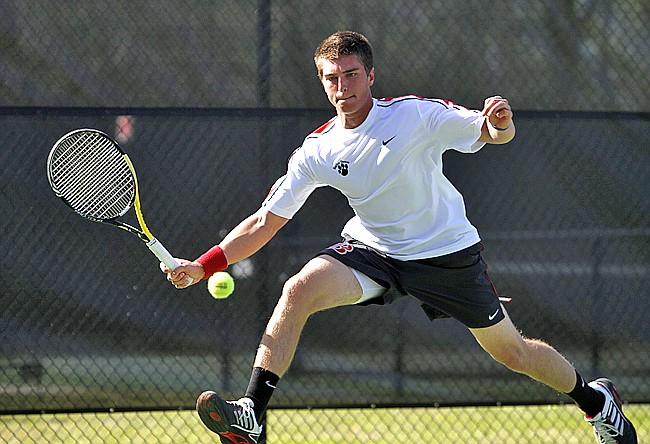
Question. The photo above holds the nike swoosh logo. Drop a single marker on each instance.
(494, 315)
(270, 385)
(386, 142)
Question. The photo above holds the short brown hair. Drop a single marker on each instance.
(344, 43)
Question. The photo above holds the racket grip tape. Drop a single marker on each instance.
(163, 255)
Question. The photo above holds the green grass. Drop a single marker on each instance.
(468, 425)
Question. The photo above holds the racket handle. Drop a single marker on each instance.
(165, 257)
(161, 253)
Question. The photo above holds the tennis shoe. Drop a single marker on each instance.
(610, 425)
(233, 421)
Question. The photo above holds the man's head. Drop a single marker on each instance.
(341, 44)
(345, 69)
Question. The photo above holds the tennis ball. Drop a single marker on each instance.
(221, 285)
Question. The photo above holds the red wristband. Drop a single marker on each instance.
(213, 260)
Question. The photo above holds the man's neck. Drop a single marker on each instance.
(353, 120)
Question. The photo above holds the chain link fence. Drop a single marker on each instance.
(209, 100)
(581, 55)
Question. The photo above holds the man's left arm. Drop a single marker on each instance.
(498, 127)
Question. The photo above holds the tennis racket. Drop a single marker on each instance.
(91, 173)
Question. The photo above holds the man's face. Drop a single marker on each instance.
(346, 84)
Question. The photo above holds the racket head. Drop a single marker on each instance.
(91, 173)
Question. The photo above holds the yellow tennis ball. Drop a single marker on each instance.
(221, 285)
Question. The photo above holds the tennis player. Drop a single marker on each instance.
(409, 236)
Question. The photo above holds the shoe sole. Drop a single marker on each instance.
(210, 408)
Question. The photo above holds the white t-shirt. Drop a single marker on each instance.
(390, 170)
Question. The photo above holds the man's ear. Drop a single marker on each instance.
(371, 76)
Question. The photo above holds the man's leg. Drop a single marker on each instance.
(599, 399)
(531, 357)
(322, 283)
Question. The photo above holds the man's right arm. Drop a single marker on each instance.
(243, 241)
(251, 235)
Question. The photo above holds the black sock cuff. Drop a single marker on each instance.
(588, 399)
(260, 388)
(265, 375)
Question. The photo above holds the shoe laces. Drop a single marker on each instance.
(610, 423)
(245, 416)
(604, 431)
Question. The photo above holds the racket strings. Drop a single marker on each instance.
(92, 175)
(115, 190)
(102, 186)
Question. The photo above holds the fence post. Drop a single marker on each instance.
(596, 304)
(263, 53)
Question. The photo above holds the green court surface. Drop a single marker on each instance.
(468, 425)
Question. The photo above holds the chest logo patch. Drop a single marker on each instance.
(386, 142)
(342, 167)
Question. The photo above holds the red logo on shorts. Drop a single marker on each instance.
(343, 248)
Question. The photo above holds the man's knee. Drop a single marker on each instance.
(292, 290)
(323, 283)
(513, 356)
(521, 355)
(506, 345)
(299, 296)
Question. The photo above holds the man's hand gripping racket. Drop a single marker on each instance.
(91, 173)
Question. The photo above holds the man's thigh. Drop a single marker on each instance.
(327, 282)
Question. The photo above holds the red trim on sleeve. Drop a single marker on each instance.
(324, 126)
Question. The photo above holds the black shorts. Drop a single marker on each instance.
(455, 285)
